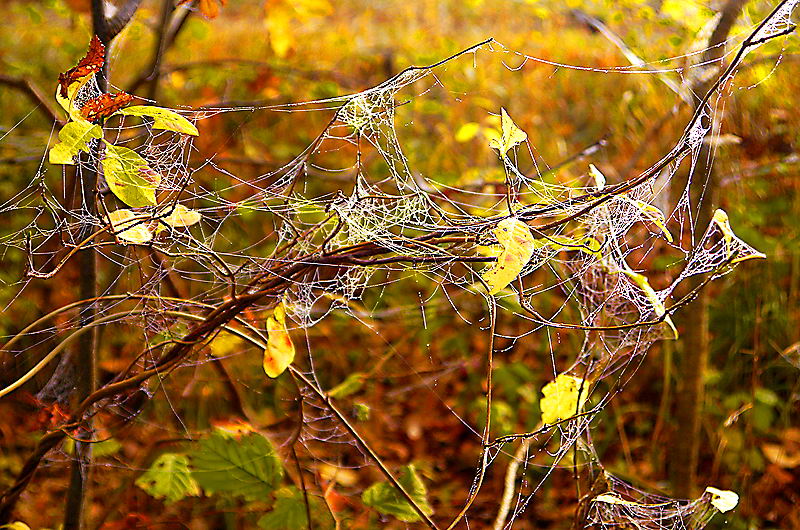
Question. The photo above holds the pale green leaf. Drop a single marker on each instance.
(247, 466)
(169, 478)
(386, 499)
(517, 242)
(129, 177)
(350, 385)
(723, 500)
(511, 135)
(162, 118)
(130, 227)
(74, 137)
(563, 398)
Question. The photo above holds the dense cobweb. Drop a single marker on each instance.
(388, 223)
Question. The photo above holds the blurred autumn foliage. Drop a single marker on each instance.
(409, 371)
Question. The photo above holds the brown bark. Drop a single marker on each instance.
(694, 354)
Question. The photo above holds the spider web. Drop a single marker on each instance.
(422, 226)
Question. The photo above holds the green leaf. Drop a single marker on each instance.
(169, 478)
(162, 119)
(74, 137)
(130, 227)
(511, 135)
(247, 466)
(289, 512)
(350, 385)
(386, 499)
(129, 177)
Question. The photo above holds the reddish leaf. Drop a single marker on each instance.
(90, 64)
(105, 105)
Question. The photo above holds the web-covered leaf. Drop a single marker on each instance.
(563, 398)
(518, 246)
(74, 137)
(510, 136)
(129, 177)
(130, 227)
(165, 119)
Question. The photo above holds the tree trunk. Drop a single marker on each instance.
(695, 338)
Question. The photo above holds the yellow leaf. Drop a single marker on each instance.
(181, 216)
(561, 398)
(652, 297)
(723, 500)
(588, 245)
(597, 175)
(655, 215)
(511, 135)
(467, 132)
(130, 227)
(517, 242)
(279, 353)
(281, 32)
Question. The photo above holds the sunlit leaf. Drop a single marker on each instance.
(74, 137)
(511, 135)
(129, 177)
(587, 245)
(279, 352)
(651, 295)
(70, 102)
(563, 398)
(467, 132)
(653, 214)
(518, 245)
(169, 478)
(723, 500)
(279, 22)
(247, 466)
(597, 175)
(180, 216)
(162, 119)
(386, 499)
(16, 525)
(130, 227)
